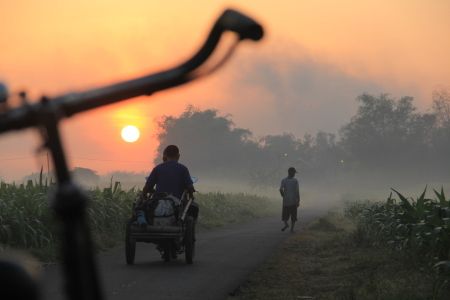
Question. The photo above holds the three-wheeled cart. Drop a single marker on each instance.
(170, 240)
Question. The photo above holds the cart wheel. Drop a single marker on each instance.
(130, 248)
(167, 250)
(189, 240)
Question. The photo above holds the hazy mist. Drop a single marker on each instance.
(303, 78)
(267, 96)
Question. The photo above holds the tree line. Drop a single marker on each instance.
(386, 134)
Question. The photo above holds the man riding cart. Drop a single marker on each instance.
(168, 217)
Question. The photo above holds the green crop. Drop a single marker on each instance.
(27, 222)
(24, 215)
(218, 208)
(418, 228)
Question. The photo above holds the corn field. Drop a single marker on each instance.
(418, 228)
(27, 222)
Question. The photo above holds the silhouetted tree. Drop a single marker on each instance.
(125, 176)
(380, 133)
(279, 150)
(210, 143)
(326, 153)
(440, 136)
(441, 106)
(85, 176)
(207, 142)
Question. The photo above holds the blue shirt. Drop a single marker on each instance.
(170, 177)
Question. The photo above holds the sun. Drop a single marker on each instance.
(130, 133)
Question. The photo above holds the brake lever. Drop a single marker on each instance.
(246, 27)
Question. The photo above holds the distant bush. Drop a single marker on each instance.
(217, 209)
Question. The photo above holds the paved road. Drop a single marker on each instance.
(225, 257)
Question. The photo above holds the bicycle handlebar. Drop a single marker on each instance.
(29, 115)
(69, 202)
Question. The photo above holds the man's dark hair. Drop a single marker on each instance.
(171, 151)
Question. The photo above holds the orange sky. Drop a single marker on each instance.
(316, 58)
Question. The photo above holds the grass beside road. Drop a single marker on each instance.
(330, 260)
(220, 209)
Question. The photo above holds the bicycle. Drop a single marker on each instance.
(69, 202)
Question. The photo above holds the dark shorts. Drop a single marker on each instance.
(289, 211)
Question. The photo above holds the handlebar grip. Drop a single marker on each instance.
(241, 24)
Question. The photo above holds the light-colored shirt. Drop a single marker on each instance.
(291, 192)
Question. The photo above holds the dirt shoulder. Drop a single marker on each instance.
(328, 260)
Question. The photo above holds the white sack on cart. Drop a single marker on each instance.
(164, 214)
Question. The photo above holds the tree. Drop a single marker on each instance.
(380, 133)
(279, 149)
(441, 106)
(326, 153)
(85, 176)
(305, 147)
(440, 136)
(208, 142)
(125, 176)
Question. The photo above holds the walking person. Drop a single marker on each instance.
(290, 192)
(169, 177)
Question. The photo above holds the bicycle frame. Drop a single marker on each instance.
(69, 202)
